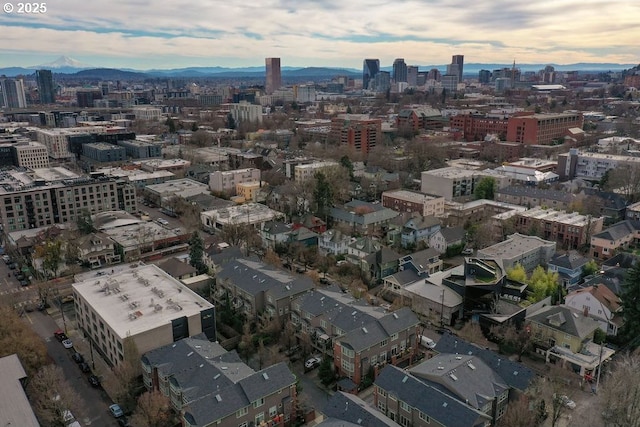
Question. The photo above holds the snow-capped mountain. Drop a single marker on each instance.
(63, 62)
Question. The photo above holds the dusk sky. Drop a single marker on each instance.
(143, 34)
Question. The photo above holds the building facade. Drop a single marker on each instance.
(226, 181)
(357, 131)
(273, 75)
(542, 129)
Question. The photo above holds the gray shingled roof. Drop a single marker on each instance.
(253, 277)
(514, 374)
(176, 268)
(619, 230)
(440, 407)
(378, 213)
(452, 234)
(226, 401)
(347, 407)
(376, 331)
(562, 318)
(466, 376)
(570, 261)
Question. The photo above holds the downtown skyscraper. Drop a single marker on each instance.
(370, 68)
(46, 90)
(459, 61)
(12, 93)
(273, 75)
(399, 70)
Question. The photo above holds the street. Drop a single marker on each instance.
(93, 401)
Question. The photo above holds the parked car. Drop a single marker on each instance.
(84, 367)
(95, 382)
(567, 402)
(67, 343)
(313, 362)
(293, 350)
(468, 251)
(13, 266)
(60, 335)
(123, 422)
(6, 259)
(77, 357)
(20, 276)
(116, 411)
(427, 342)
(24, 282)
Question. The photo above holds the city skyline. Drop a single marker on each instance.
(321, 33)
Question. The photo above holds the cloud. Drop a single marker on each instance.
(326, 32)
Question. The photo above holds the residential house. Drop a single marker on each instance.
(411, 268)
(391, 339)
(444, 238)
(529, 196)
(412, 401)
(432, 300)
(333, 242)
(419, 229)
(362, 247)
(565, 335)
(311, 222)
(208, 386)
(255, 287)
(177, 268)
(348, 408)
(380, 264)
(304, 237)
(619, 236)
(599, 303)
(16, 408)
(274, 233)
(97, 250)
(569, 267)
(363, 217)
(609, 204)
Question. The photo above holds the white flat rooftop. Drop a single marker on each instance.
(139, 298)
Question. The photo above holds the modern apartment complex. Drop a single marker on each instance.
(542, 129)
(141, 303)
(32, 155)
(580, 164)
(57, 195)
(308, 171)
(528, 251)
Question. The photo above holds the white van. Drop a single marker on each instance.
(427, 342)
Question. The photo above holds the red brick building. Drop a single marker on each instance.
(541, 129)
(419, 118)
(357, 131)
(475, 128)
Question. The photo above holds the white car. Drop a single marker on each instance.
(427, 342)
(67, 343)
(313, 362)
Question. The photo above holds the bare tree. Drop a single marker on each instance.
(622, 393)
(519, 414)
(122, 382)
(153, 410)
(472, 332)
(51, 396)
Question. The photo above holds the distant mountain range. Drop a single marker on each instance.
(65, 67)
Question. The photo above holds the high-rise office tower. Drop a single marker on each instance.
(274, 78)
(484, 76)
(12, 93)
(459, 60)
(370, 68)
(46, 90)
(399, 70)
(412, 75)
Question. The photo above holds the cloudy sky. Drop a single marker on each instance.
(144, 34)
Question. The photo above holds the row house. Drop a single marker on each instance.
(392, 339)
(254, 287)
(208, 386)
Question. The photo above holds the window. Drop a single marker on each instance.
(347, 352)
(258, 403)
(405, 406)
(404, 421)
(382, 406)
(424, 417)
(242, 412)
(259, 418)
(381, 392)
(244, 424)
(394, 337)
(273, 411)
(383, 343)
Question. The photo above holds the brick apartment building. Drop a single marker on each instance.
(357, 131)
(476, 127)
(542, 129)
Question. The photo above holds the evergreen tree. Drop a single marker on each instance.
(485, 189)
(196, 251)
(322, 194)
(325, 371)
(631, 303)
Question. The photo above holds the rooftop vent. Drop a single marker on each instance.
(218, 398)
(404, 380)
(453, 377)
(395, 316)
(265, 376)
(470, 365)
(216, 376)
(365, 330)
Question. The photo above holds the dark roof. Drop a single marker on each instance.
(420, 223)
(207, 202)
(350, 408)
(452, 234)
(382, 256)
(441, 407)
(407, 276)
(514, 374)
(371, 213)
(619, 230)
(254, 276)
(276, 227)
(176, 268)
(221, 256)
(611, 200)
(562, 318)
(570, 261)
(622, 260)
(376, 331)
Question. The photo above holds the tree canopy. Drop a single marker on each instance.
(485, 188)
(630, 298)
